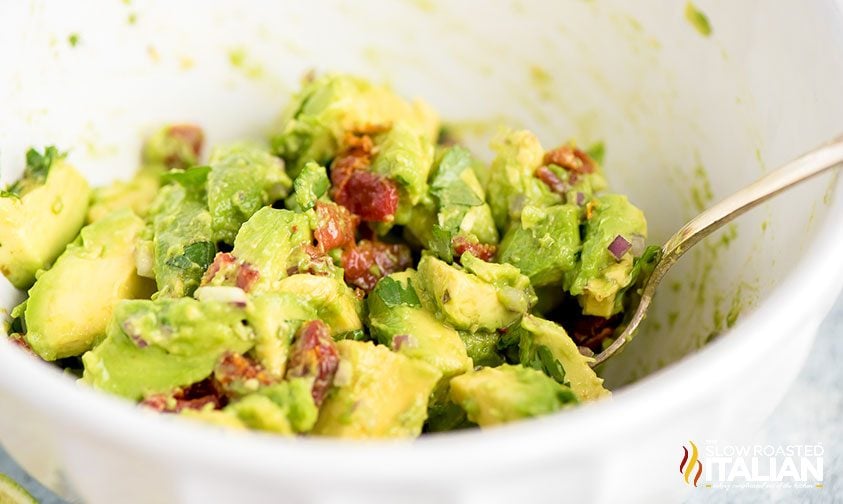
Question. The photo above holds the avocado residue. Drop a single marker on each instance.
(698, 19)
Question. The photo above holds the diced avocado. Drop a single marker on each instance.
(443, 415)
(599, 275)
(243, 179)
(398, 321)
(385, 394)
(182, 245)
(492, 396)
(63, 319)
(260, 413)
(418, 228)
(275, 318)
(39, 215)
(272, 242)
(317, 118)
(282, 408)
(482, 347)
(544, 244)
(545, 344)
(174, 146)
(136, 194)
(512, 185)
(461, 200)
(334, 301)
(152, 347)
(405, 156)
(311, 185)
(470, 301)
(514, 289)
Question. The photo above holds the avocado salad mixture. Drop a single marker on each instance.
(357, 275)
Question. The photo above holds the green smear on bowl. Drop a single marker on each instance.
(698, 19)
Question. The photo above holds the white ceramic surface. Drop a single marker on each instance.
(665, 100)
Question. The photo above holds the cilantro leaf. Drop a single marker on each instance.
(447, 185)
(393, 293)
(440, 244)
(199, 255)
(193, 178)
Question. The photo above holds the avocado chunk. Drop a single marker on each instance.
(317, 118)
(545, 345)
(39, 215)
(285, 408)
(380, 394)
(275, 318)
(174, 146)
(152, 347)
(404, 155)
(63, 320)
(480, 296)
(271, 243)
(482, 347)
(243, 179)
(182, 247)
(599, 275)
(512, 185)
(459, 206)
(136, 194)
(311, 185)
(544, 243)
(335, 303)
(397, 320)
(492, 396)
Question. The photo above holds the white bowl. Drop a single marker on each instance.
(764, 87)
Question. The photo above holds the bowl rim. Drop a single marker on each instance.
(816, 275)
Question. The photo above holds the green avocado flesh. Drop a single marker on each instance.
(355, 274)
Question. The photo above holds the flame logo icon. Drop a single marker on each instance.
(687, 466)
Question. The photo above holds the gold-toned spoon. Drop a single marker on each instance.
(819, 160)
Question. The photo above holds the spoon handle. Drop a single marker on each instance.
(819, 160)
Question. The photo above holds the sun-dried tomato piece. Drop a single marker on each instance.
(551, 180)
(222, 262)
(195, 396)
(590, 331)
(485, 251)
(236, 375)
(369, 261)
(335, 227)
(571, 159)
(314, 354)
(247, 275)
(371, 196)
(227, 270)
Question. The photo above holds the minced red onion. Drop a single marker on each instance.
(619, 247)
(400, 341)
(580, 198)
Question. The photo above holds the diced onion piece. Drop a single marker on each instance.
(143, 259)
(637, 245)
(222, 294)
(619, 247)
(580, 198)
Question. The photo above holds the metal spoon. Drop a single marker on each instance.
(819, 160)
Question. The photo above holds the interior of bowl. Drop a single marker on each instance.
(687, 115)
